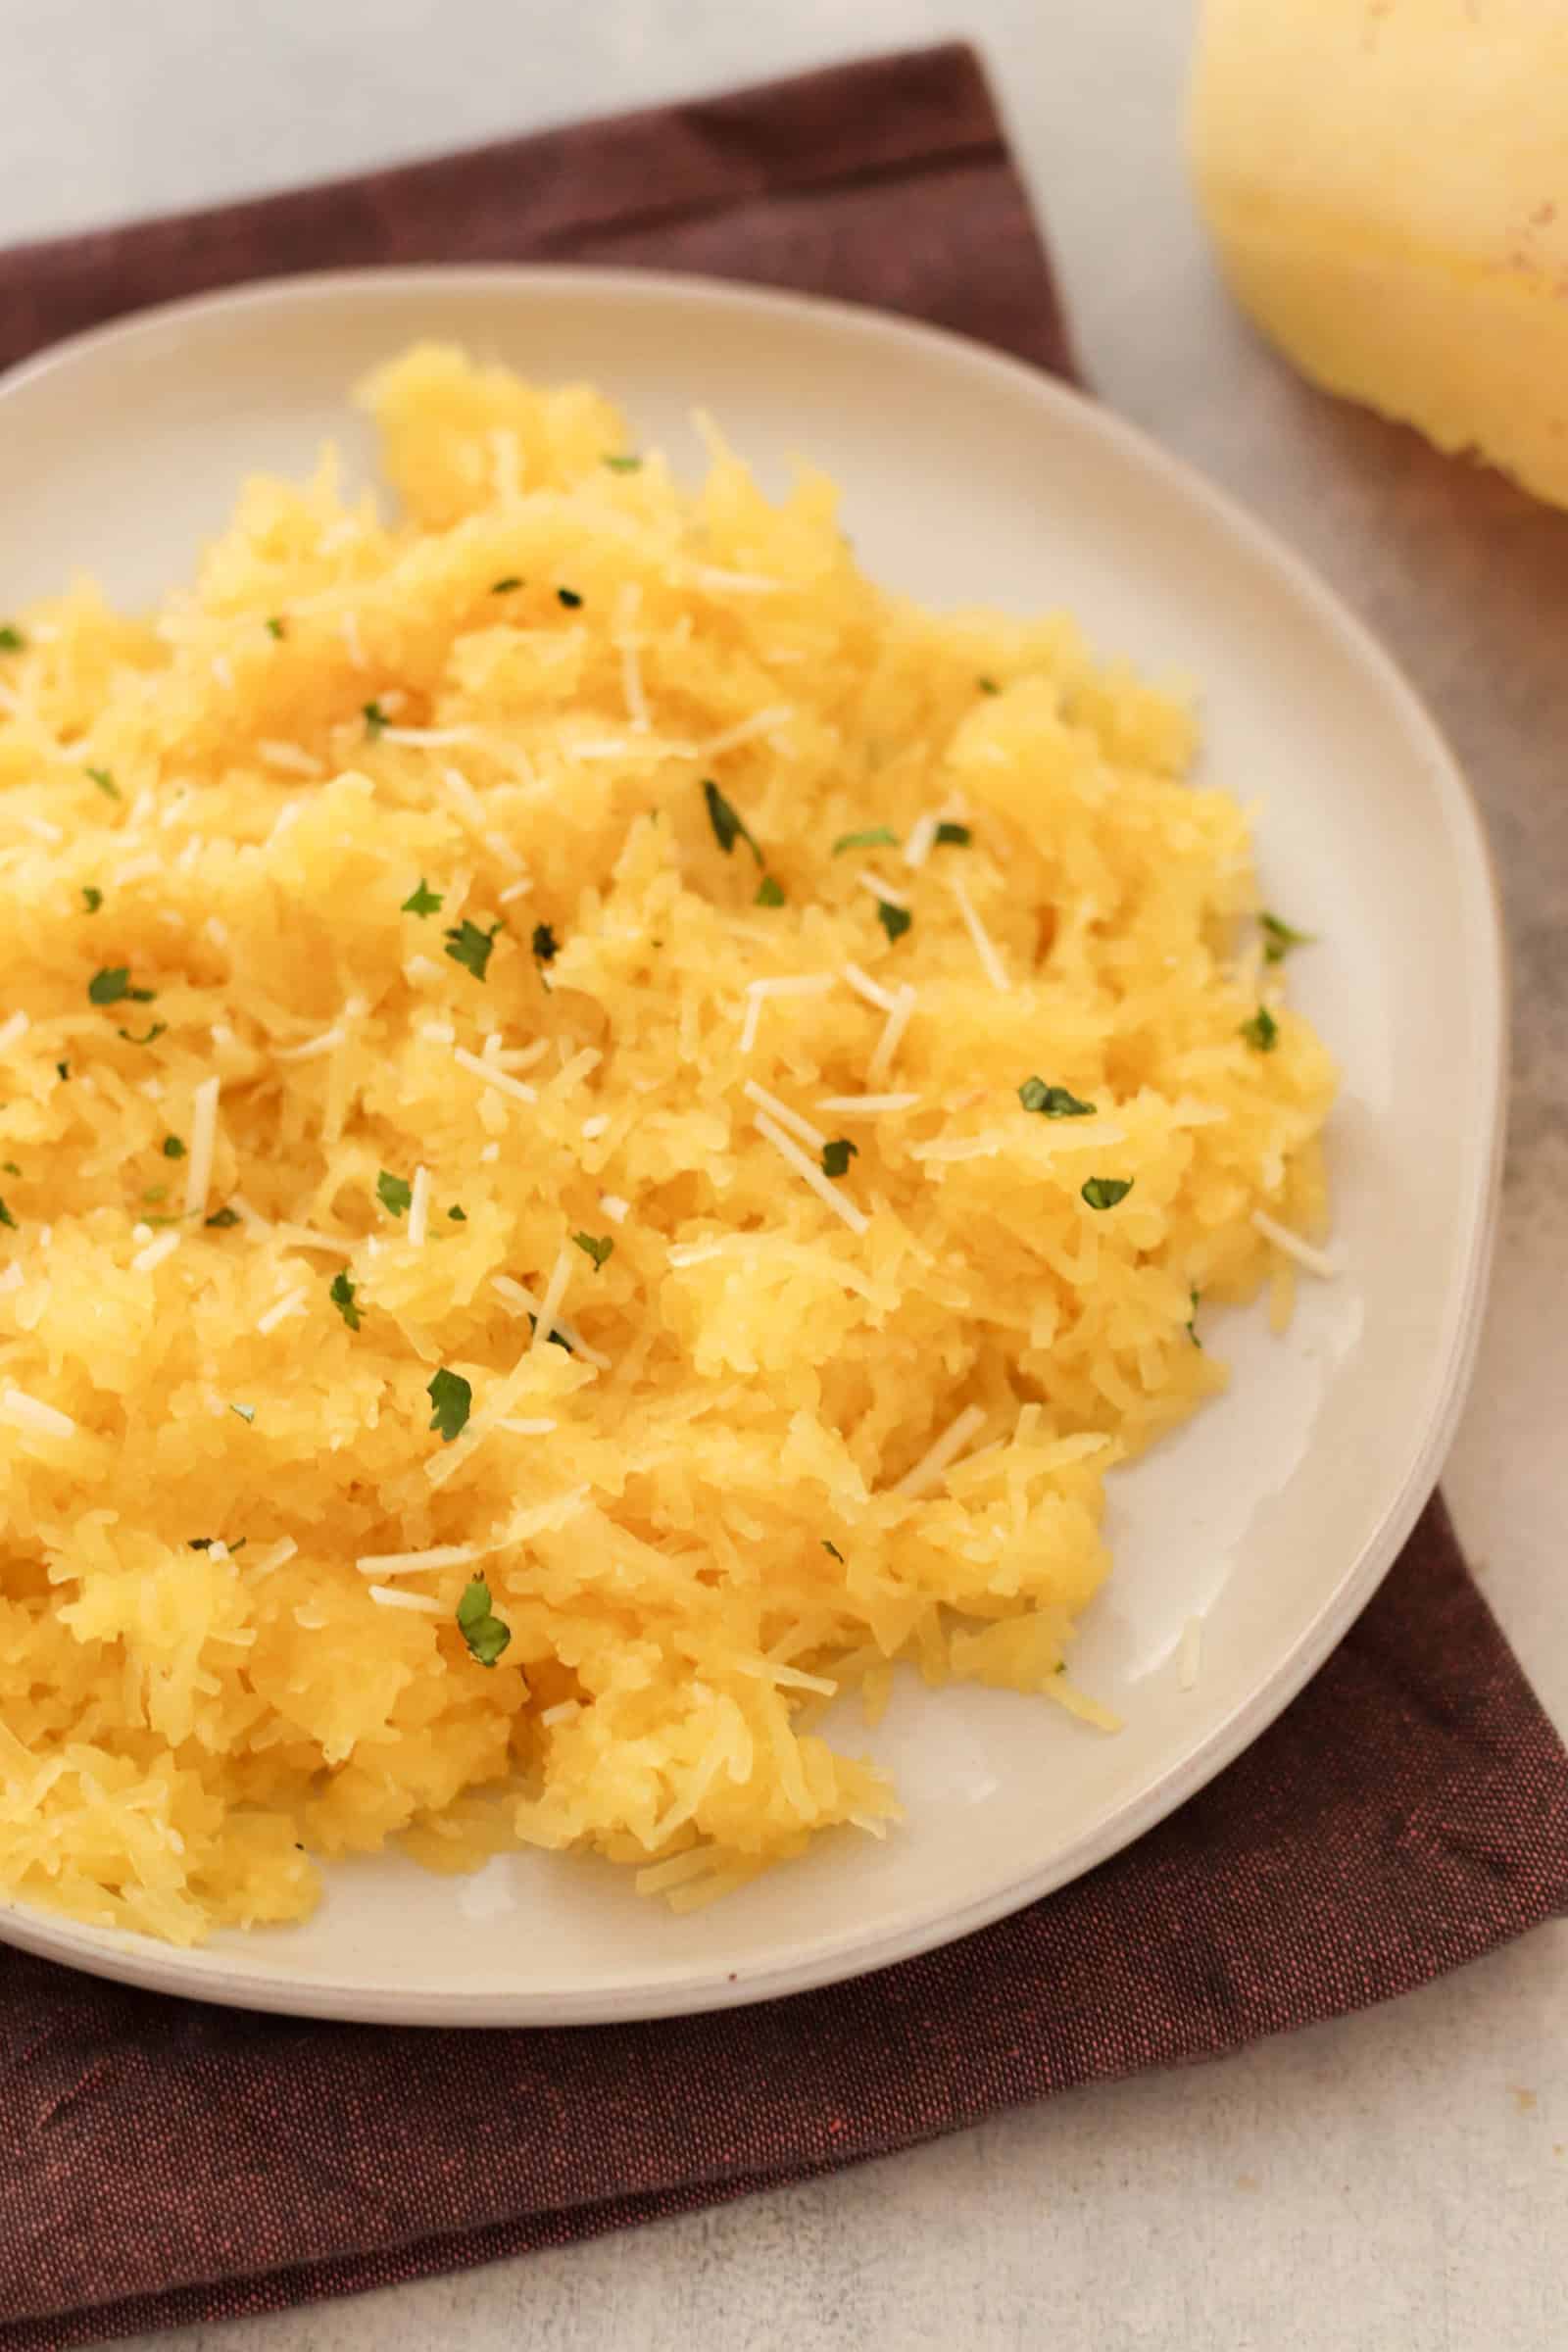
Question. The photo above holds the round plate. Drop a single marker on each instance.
(1272, 1515)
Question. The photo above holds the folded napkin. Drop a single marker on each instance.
(163, 2162)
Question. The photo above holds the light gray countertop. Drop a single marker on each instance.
(1399, 2179)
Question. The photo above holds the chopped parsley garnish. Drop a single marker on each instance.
(1192, 1320)
(570, 597)
(837, 1155)
(894, 920)
(471, 946)
(104, 779)
(459, 1216)
(245, 1413)
(875, 836)
(769, 892)
(201, 1544)
(558, 1338)
(834, 1550)
(1103, 1191)
(375, 718)
(341, 1295)
(223, 1218)
(275, 629)
(1052, 1101)
(174, 1148)
(505, 586)
(1262, 1031)
(484, 1633)
(6, 1219)
(392, 1192)
(952, 836)
(988, 685)
(729, 826)
(12, 641)
(113, 983)
(452, 1397)
(598, 1249)
(10, 1166)
(147, 1036)
(546, 947)
(624, 465)
(64, 1068)
(1280, 937)
(91, 898)
(421, 899)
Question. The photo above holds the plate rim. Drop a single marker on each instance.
(683, 1989)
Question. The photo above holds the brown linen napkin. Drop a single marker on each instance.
(164, 2161)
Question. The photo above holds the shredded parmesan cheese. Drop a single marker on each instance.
(415, 1563)
(155, 1252)
(891, 1037)
(290, 759)
(560, 1276)
(390, 1598)
(1326, 1264)
(823, 1185)
(952, 1443)
(801, 1128)
(30, 1413)
(983, 944)
(502, 1080)
(289, 1304)
(203, 1143)
(420, 1207)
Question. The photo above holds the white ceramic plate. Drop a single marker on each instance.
(1274, 1515)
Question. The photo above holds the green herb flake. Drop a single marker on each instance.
(894, 920)
(451, 1397)
(375, 718)
(728, 825)
(624, 465)
(148, 1035)
(484, 1633)
(62, 1068)
(1103, 1191)
(102, 777)
(505, 587)
(769, 892)
(341, 1295)
(459, 1216)
(988, 685)
(245, 1413)
(471, 946)
(1192, 1320)
(598, 1249)
(10, 1167)
(1052, 1101)
(952, 836)
(6, 1219)
(157, 1193)
(421, 899)
(174, 1148)
(108, 985)
(837, 1155)
(91, 898)
(1280, 937)
(833, 1552)
(223, 1218)
(570, 597)
(201, 1544)
(12, 641)
(275, 629)
(1262, 1032)
(545, 945)
(393, 1192)
(875, 836)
